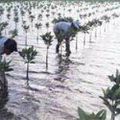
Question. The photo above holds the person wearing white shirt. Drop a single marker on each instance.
(63, 30)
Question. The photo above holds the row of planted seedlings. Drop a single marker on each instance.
(31, 17)
(29, 53)
(48, 10)
(38, 25)
(111, 96)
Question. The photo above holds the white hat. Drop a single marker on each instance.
(76, 24)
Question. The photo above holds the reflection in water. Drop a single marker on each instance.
(63, 63)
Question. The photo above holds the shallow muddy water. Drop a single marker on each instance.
(69, 83)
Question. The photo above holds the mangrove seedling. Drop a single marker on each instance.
(101, 115)
(14, 33)
(16, 20)
(26, 28)
(112, 96)
(73, 33)
(85, 29)
(8, 16)
(111, 99)
(47, 38)
(38, 26)
(31, 17)
(4, 67)
(28, 54)
(47, 15)
(106, 19)
(40, 17)
(47, 26)
(3, 25)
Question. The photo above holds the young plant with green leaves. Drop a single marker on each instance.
(31, 17)
(14, 33)
(85, 29)
(26, 28)
(1, 12)
(111, 99)
(94, 24)
(106, 19)
(47, 26)
(101, 115)
(4, 67)
(8, 16)
(40, 17)
(38, 26)
(47, 38)
(111, 96)
(3, 25)
(28, 54)
(48, 15)
(73, 33)
(16, 20)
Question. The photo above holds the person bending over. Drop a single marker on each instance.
(7, 46)
(65, 30)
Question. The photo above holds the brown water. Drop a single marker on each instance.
(70, 82)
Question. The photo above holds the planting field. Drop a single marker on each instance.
(55, 92)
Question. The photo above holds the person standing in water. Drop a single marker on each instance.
(64, 30)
